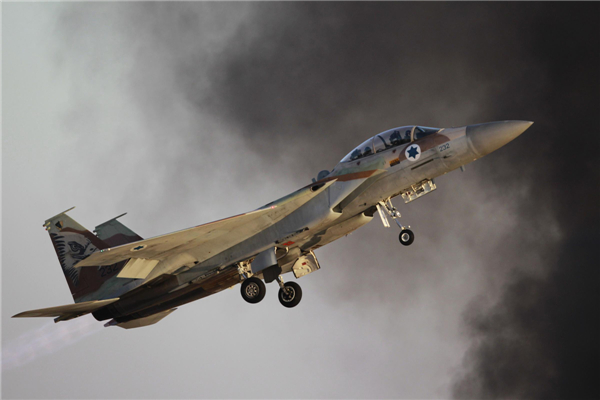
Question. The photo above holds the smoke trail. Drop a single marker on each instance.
(45, 340)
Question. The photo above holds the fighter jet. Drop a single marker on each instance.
(133, 282)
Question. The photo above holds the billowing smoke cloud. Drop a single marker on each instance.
(46, 340)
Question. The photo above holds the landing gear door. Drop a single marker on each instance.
(305, 264)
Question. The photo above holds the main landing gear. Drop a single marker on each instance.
(290, 293)
(406, 236)
(254, 290)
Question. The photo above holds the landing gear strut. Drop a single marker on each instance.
(290, 293)
(406, 236)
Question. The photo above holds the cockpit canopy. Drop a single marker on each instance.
(388, 139)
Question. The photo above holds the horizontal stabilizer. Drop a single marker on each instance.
(68, 311)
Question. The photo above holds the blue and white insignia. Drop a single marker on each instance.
(138, 247)
(413, 152)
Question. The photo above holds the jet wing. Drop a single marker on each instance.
(209, 239)
(68, 311)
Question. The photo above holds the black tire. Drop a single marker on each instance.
(406, 237)
(292, 297)
(253, 290)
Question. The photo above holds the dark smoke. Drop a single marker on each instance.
(312, 75)
(541, 340)
(315, 69)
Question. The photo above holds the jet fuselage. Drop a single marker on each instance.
(356, 187)
(115, 274)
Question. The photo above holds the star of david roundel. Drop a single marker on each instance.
(413, 152)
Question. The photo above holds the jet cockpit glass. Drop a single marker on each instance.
(392, 138)
(364, 150)
(383, 141)
(422, 131)
(388, 139)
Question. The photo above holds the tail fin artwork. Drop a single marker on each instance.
(72, 243)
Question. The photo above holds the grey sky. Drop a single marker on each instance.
(185, 113)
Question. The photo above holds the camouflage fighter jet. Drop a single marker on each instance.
(132, 282)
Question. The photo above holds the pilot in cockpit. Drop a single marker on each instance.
(386, 140)
(356, 154)
(395, 138)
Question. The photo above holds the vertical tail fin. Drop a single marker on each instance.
(72, 243)
(114, 233)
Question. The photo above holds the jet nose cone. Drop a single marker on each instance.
(485, 138)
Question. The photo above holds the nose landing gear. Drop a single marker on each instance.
(406, 236)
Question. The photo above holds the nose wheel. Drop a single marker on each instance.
(406, 236)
